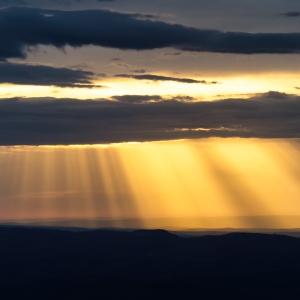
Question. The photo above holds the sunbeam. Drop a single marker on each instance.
(246, 183)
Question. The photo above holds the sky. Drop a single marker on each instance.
(150, 109)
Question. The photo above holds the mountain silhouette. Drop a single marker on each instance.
(146, 264)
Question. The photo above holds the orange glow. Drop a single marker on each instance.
(195, 181)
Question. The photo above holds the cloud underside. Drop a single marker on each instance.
(70, 121)
(26, 74)
(23, 27)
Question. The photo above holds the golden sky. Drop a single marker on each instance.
(191, 179)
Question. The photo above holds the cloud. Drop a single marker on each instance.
(121, 64)
(138, 98)
(172, 54)
(139, 71)
(45, 75)
(136, 118)
(23, 27)
(291, 14)
(163, 78)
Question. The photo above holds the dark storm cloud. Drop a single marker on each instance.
(135, 118)
(163, 78)
(291, 14)
(23, 27)
(45, 75)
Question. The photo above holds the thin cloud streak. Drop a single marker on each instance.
(164, 78)
(291, 14)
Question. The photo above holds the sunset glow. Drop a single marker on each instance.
(233, 87)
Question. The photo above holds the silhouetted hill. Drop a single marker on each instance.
(146, 264)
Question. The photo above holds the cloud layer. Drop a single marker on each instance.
(136, 118)
(23, 27)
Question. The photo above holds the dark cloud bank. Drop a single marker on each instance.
(23, 27)
(136, 118)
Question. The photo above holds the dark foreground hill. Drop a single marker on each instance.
(54, 264)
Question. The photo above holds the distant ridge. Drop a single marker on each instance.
(146, 264)
(172, 224)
